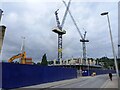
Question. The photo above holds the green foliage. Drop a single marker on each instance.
(33, 63)
(107, 63)
(44, 60)
(38, 63)
(50, 62)
(57, 62)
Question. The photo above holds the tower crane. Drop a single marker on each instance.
(83, 40)
(22, 48)
(59, 30)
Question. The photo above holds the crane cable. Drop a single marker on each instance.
(74, 21)
(67, 9)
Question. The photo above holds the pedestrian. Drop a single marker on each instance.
(110, 76)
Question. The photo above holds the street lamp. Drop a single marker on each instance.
(88, 64)
(1, 12)
(115, 60)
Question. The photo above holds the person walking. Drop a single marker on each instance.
(110, 76)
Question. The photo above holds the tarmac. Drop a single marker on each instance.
(107, 84)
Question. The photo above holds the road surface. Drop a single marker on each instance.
(90, 82)
(99, 81)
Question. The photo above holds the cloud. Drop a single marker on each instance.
(35, 21)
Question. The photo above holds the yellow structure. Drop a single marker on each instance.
(24, 60)
(21, 55)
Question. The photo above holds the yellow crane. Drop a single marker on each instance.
(24, 60)
(20, 55)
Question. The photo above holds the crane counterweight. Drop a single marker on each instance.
(82, 40)
(58, 31)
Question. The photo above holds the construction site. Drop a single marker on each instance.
(60, 68)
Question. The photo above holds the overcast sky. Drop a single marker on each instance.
(35, 21)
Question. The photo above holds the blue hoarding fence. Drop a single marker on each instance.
(97, 71)
(19, 75)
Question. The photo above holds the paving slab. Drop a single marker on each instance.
(111, 84)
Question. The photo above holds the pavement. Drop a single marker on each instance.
(52, 84)
(111, 84)
(57, 83)
(107, 84)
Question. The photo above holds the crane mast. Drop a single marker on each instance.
(84, 47)
(82, 37)
(22, 48)
(57, 20)
(59, 37)
(59, 30)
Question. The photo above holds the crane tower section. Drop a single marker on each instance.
(83, 40)
(84, 47)
(60, 32)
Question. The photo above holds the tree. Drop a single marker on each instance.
(44, 60)
(50, 62)
(107, 62)
(33, 63)
(38, 63)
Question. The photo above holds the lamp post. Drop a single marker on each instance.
(88, 65)
(115, 60)
(1, 12)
